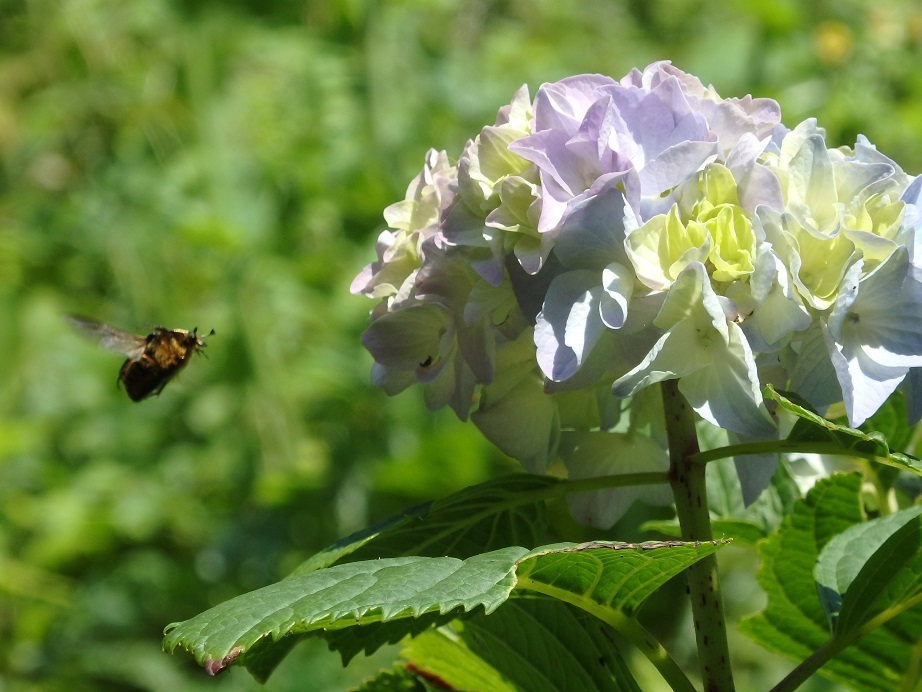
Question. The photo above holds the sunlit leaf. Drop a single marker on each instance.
(794, 622)
(855, 570)
(605, 579)
(812, 427)
(610, 576)
(442, 653)
(358, 593)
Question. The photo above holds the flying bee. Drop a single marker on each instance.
(152, 360)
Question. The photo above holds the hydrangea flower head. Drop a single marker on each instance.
(608, 235)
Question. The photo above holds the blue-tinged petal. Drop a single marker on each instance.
(712, 359)
(496, 303)
(569, 323)
(461, 225)
(735, 118)
(548, 150)
(912, 220)
(591, 142)
(755, 472)
(865, 383)
(528, 251)
(658, 118)
(391, 381)
(854, 179)
(778, 317)
(729, 118)
(477, 342)
(913, 192)
(757, 185)
(615, 352)
(880, 313)
(607, 355)
(674, 165)
(778, 311)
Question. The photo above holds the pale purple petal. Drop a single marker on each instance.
(562, 105)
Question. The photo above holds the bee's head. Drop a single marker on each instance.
(198, 342)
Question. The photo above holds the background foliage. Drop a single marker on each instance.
(225, 164)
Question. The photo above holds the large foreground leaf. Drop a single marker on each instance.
(405, 595)
(795, 622)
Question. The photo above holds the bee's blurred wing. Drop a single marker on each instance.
(130, 345)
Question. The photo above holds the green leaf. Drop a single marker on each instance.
(794, 622)
(394, 680)
(504, 511)
(527, 644)
(610, 577)
(858, 565)
(839, 439)
(441, 652)
(547, 645)
(612, 581)
(392, 597)
(352, 641)
(341, 596)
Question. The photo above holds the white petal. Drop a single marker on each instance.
(618, 282)
(727, 393)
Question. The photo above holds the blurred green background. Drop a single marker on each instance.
(224, 165)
